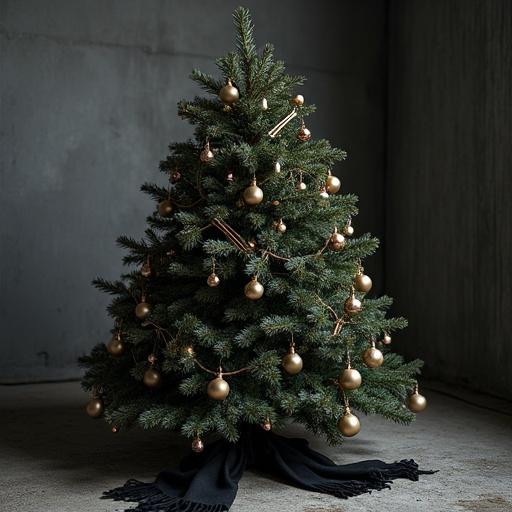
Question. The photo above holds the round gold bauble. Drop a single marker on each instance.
(352, 306)
(206, 154)
(332, 184)
(373, 357)
(348, 230)
(229, 94)
(277, 167)
(349, 424)
(115, 346)
(95, 408)
(264, 104)
(152, 378)
(280, 226)
(323, 193)
(145, 270)
(254, 289)
(362, 283)
(350, 379)
(115, 430)
(292, 363)
(301, 186)
(297, 101)
(230, 176)
(416, 402)
(142, 310)
(218, 388)
(253, 194)
(386, 339)
(197, 445)
(337, 242)
(303, 134)
(213, 280)
(165, 208)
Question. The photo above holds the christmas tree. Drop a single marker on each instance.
(247, 302)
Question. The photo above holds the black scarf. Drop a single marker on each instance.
(209, 482)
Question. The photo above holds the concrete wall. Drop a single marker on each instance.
(88, 95)
(449, 187)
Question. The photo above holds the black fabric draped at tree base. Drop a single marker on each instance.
(209, 482)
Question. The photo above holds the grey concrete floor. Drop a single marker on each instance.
(55, 459)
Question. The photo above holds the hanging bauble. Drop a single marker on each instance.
(332, 184)
(152, 358)
(337, 241)
(230, 177)
(206, 154)
(303, 133)
(175, 176)
(277, 166)
(253, 194)
(165, 208)
(95, 408)
(373, 357)
(416, 402)
(301, 186)
(213, 280)
(386, 339)
(152, 378)
(254, 289)
(350, 379)
(362, 282)
(280, 226)
(218, 388)
(197, 445)
(348, 230)
(323, 193)
(264, 104)
(145, 270)
(229, 94)
(114, 429)
(266, 425)
(349, 424)
(297, 101)
(352, 305)
(142, 310)
(292, 362)
(115, 346)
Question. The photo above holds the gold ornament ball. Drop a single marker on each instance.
(115, 430)
(165, 208)
(229, 94)
(353, 306)
(206, 154)
(253, 194)
(323, 193)
(337, 242)
(142, 310)
(303, 134)
(373, 357)
(349, 424)
(348, 230)
(218, 389)
(350, 379)
(145, 270)
(292, 363)
(297, 101)
(213, 280)
(264, 104)
(301, 186)
(152, 378)
(386, 339)
(254, 289)
(115, 346)
(363, 283)
(281, 227)
(332, 184)
(95, 408)
(197, 445)
(416, 402)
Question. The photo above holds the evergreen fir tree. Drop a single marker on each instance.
(248, 264)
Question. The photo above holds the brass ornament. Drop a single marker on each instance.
(280, 226)
(254, 289)
(416, 402)
(362, 282)
(292, 362)
(349, 424)
(373, 357)
(145, 270)
(276, 202)
(266, 425)
(303, 133)
(301, 186)
(386, 339)
(142, 310)
(116, 346)
(277, 167)
(352, 305)
(264, 104)
(229, 94)
(332, 184)
(165, 208)
(115, 429)
(152, 378)
(350, 379)
(297, 101)
(253, 194)
(348, 230)
(95, 408)
(213, 280)
(218, 388)
(206, 154)
(337, 241)
(230, 177)
(197, 445)
(323, 193)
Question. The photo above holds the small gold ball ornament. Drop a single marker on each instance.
(350, 379)
(213, 280)
(337, 241)
(95, 408)
(416, 402)
(323, 193)
(229, 94)
(206, 154)
(292, 362)
(297, 101)
(152, 378)
(115, 430)
(264, 104)
(145, 270)
(352, 305)
(280, 226)
(115, 346)
(348, 230)
(362, 282)
(332, 184)
(254, 289)
(165, 208)
(303, 133)
(349, 424)
(218, 388)
(301, 186)
(253, 194)
(386, 339)
(142, 310)
(266, 425)
(197, 445)
(373, 357)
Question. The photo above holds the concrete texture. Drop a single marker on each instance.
(55, 459)
(88, 105)
(448, 245)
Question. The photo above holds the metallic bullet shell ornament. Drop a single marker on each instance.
(280, 226)
(277, 167)
(303, 133)
(264, 104)
(152, 378)
(353, 305)
(362, 282)
(206, 154)
(254, 289)
(229, 94)
(350, 379)
(116, 346)
(337, 241)
(332, 184)
(416, 402)
(349, 424)
(213, 280)
(165, 208)
(297, 101)
(292, 362)
(95, 408)
(218, 388)
(143, 309)
(373, 357)
(253, 194)
(197, 445)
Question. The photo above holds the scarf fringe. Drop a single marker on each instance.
(151, 499)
